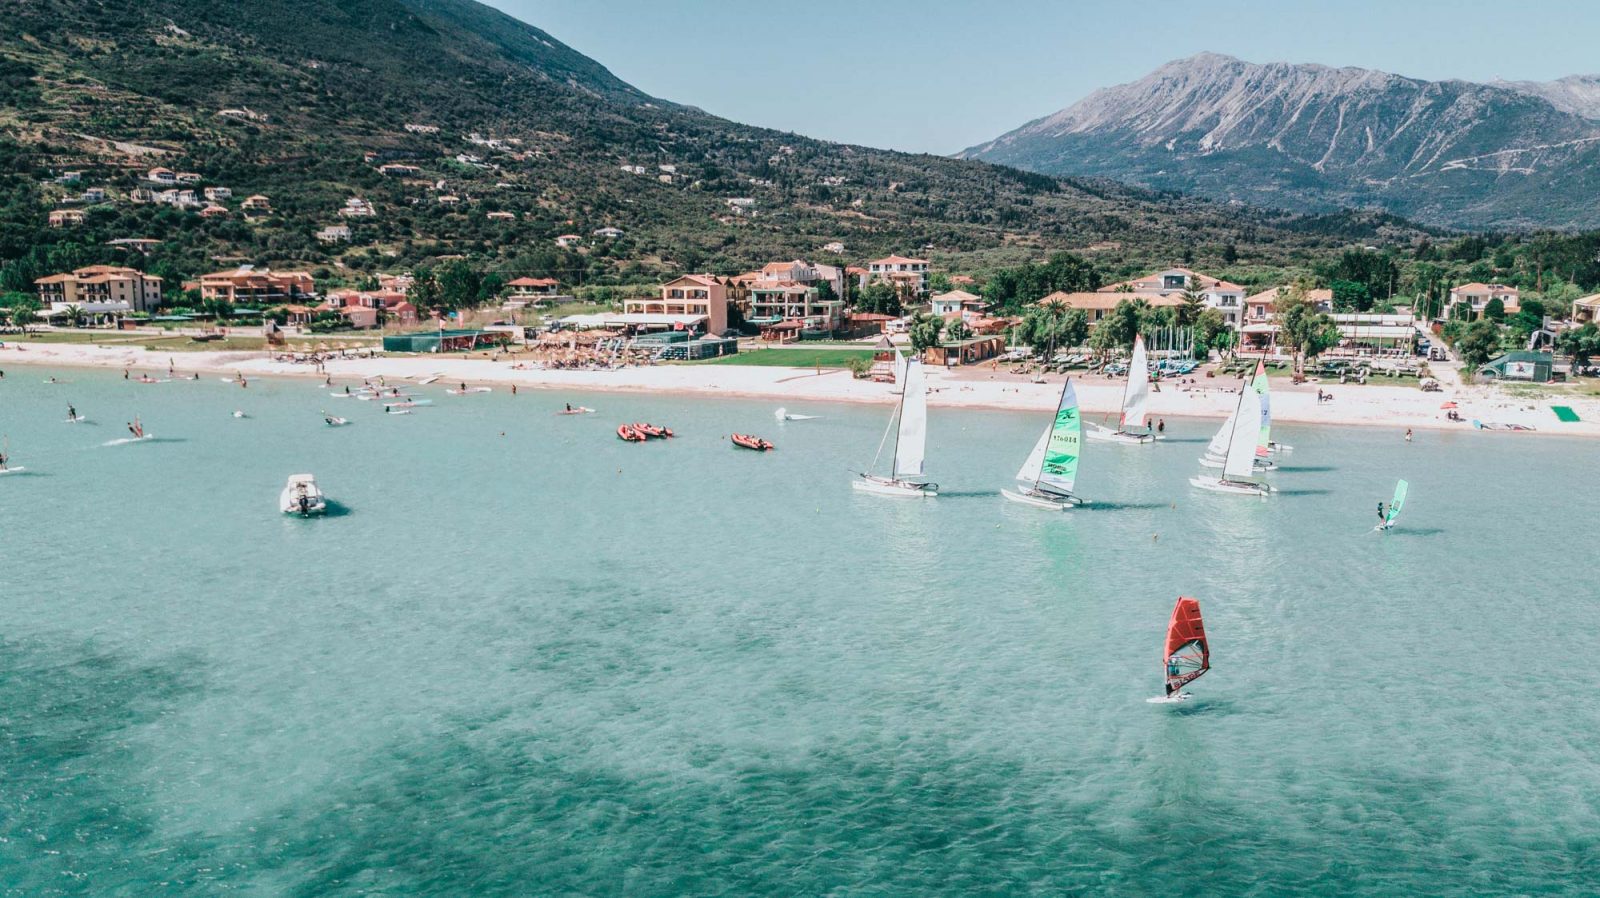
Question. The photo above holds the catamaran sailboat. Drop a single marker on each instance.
(910, 445)
(1187, 655)
(1217, 451)
(1395, 504)
(1135, 397)
(1045, 480)
(301, 496)
(1239, 460)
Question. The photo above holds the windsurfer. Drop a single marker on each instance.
(1382, 519)
(72, 413)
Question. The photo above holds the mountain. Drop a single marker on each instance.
(302, 100)
(1449, 153)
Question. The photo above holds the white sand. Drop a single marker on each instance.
(975, 387)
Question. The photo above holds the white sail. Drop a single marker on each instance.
(900, 363)
(1242, 440)
(912, 443)
(1028, 474)
(1138, 392)
(1219, 443)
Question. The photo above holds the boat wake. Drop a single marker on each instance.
(126, 440)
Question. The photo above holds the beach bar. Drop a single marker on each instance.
(445, 341)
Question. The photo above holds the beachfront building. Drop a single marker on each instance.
(1225, 297)
(1259, 329)
(786, 310)
(1376, 333)
(1469, 300)
(1098, 305)
(687, 302)
(532, 290)
(101, 285)
(958, 302)
(909, 276)
(251, 286)
(368, 309)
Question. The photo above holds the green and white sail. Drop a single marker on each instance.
(1060, 468)
(1259, 384)
(1395, 504)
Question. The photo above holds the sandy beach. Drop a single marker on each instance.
(973, 387)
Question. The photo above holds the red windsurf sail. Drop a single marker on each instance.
(1187, 655)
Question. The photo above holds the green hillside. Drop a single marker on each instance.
(315, 86)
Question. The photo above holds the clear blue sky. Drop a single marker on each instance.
(941, 75)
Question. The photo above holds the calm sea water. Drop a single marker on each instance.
(527, 658)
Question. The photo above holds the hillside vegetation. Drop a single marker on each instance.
(301, 100)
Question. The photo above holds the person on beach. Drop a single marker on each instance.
(513, 389)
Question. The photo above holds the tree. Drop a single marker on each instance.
(76, 315)
(925, 330)
(1211, 331)
(1192, 304)
(1582, 344)
(825, 292)
(1479, 344)
(424, 292)
(879, 298)
(1122, 325)
(1046, 328)
(958, 330)
(22, 316)
(460, 285)
(1302, 329)
(1351, 296)
(1494, 309)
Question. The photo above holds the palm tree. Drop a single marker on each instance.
(75, 316)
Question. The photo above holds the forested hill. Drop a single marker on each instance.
(302, 100)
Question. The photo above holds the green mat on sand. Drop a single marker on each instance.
(1564, 412)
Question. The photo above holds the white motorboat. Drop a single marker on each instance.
(910, 447)
(301, 496)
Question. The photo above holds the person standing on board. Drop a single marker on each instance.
(72, 413)
(1381, 518)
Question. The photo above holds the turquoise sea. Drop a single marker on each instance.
(525, 658)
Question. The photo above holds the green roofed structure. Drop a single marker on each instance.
(444, 341)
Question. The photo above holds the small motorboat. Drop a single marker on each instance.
(652, 431)
(576, 410)
(630, 434)
(302, 497)
(751, 441)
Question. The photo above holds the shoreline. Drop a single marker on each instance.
(976, 387)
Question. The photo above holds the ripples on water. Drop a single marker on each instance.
(547, 662)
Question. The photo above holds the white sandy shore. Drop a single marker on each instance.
(975, 387)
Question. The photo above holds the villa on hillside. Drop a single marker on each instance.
(163, 176)
(334, 234)
(1218, 294)
(566, 240)
(398, 170)
(908, 275)
(257, 204)
(249, 285)
(62, 218)
(1477, 297)
(802, 272)
(101, 285)
(218, 194)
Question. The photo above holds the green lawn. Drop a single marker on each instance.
(793, 358)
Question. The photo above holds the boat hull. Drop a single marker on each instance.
(898, 489)
(1052, 503)
(1211, 461)
(1231, 487)
(1105, 435)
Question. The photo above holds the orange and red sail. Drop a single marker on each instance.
(1187, 656)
